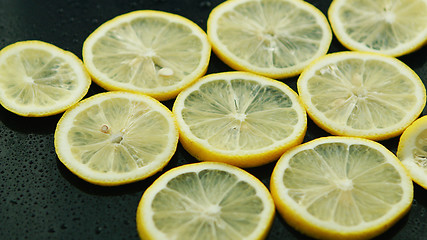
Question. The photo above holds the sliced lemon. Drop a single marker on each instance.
(341, 188)
(390, 27)
(361, 94)
(115, 138)
(151, 52)
(39, 79)
(239, 118)
(412, 150)
(205, 201)
(274, 38)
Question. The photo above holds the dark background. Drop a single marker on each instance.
(41, 199)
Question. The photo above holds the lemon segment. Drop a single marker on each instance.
(341, 188)
(239, 118)
(115, 138)
(412, 150)
(39, 79)
(150, 52)
(361, 94)
(390, 27)
(274, 38)
(205, 201)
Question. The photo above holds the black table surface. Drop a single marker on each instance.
(42, 199)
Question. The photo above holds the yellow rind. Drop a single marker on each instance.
(307, 227)
(342, 132)
(159, 95)
(405, 146)
(333, 20)
(63, 52)
(205, 153)
(144, 230)
(108, 182)
(240, 65)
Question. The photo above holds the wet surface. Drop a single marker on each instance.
(42, 199)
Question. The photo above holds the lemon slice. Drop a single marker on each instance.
(341, 188)
(274, 38)
(39, 79)
(239, 118)
(115, 138)
(361, 94)
(412, 150)
(390, 27)
(205, 201)
(151, 52)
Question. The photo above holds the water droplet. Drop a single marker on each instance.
(98, 230)
(205, 4)
(95, 21)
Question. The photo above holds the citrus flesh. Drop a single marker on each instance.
(341, 188)
(115, 138)
(390, 27)
(274, 38)
(205, 201)
(239, 118)
(150, 52)
(361, 94)
(38, 79)
(412, 150)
